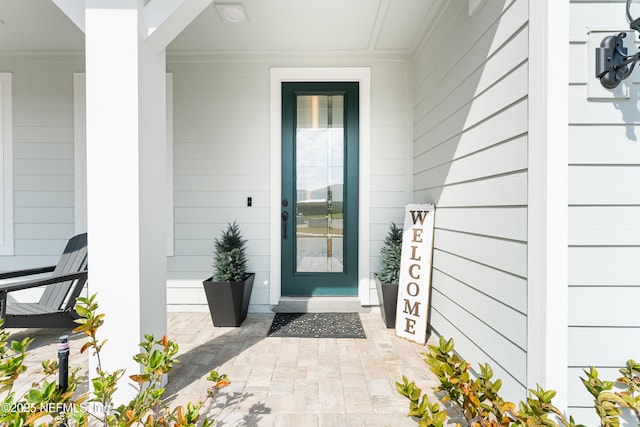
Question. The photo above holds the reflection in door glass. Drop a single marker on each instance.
(319, 183)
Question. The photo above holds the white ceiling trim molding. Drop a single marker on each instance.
(74, 9)
(320, 57)
(165, 19)
(363, 26)
(377, 26)
(435, 14)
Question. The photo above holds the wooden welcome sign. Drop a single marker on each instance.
(415, 273)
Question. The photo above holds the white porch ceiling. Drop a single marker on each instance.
(380, 26)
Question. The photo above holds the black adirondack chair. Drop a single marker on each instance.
(61, 288)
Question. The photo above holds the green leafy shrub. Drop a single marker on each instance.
(390, 255)
(477, 399)
(609, 404)
(426, 413)
(229, 258)
(631, 380)
(46, 404)
(43, 399)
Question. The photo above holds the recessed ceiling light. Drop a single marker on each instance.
(232, 13)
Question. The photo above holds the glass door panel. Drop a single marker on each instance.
(319, 183)
(319, 188)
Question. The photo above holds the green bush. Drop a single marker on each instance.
(46, 404)
(609, 404)
(229, 257)
(479, 401)
(390, 255)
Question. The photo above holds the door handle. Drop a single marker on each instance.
(285, 217)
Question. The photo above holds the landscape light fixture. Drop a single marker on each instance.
(612, 62)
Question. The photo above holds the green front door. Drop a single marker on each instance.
(319, 206)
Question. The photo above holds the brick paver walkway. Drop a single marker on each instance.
(295, 382)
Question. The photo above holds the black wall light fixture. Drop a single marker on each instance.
(612, 62)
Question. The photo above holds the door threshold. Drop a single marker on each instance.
(320, 304)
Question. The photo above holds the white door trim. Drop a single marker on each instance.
(362, 75)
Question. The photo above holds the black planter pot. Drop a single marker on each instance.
(228, 301)
(388, 297)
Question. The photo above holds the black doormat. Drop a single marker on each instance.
(317, 325)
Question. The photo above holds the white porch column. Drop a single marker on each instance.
(547, 313)
(125, 44)
(126, 164)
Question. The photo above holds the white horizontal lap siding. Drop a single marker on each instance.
(470, 159)
(221, 157)
(604, 204)
(6, 163)
(391, 165)
(42, 158)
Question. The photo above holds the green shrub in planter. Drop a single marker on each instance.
(390, 255)
(230, 259)
(387, 278)
(228, 291)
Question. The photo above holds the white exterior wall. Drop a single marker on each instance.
(42, 157)
(469, 132)
(222, 156)
(470, 160)
(604, 200)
